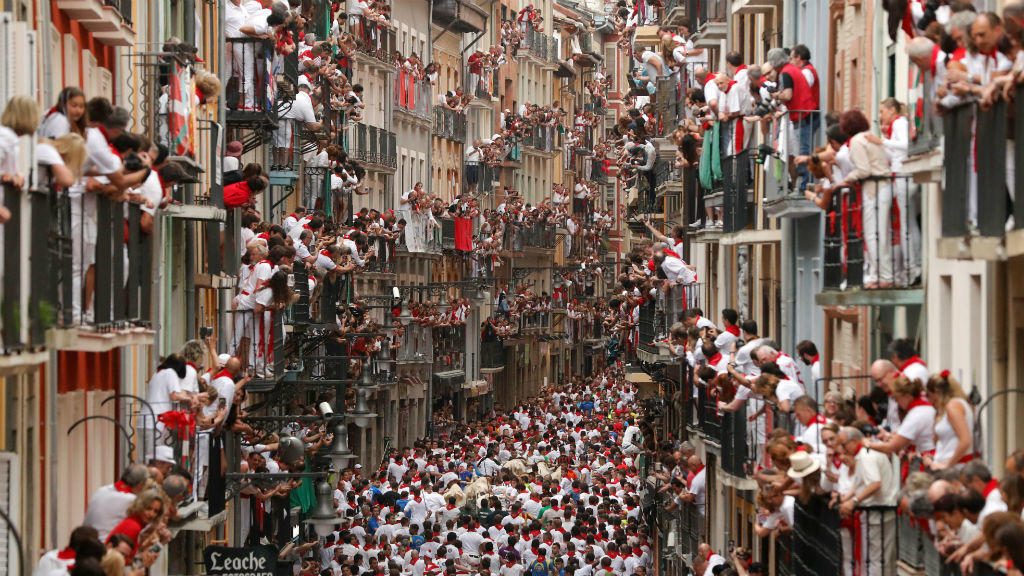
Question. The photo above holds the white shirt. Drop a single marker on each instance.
(698, 488)
(302, 108)
(918, 426)
(54, 126)
(151, 190)
(916, 371)
(107, 508)
(164, 383)
(225, 386)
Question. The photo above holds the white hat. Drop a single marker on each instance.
(358, 466)
(164, 454)
(802, 464)
(303, 81)
(222, 360)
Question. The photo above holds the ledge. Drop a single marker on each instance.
(85, 340)
(859, 297)
(751, 237)
(992, 248)
(195, 212)
(23, 361)
(740, 7)
(926, 168)
(790, 206)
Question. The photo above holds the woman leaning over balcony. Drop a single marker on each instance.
(870, 175)
(954, 423)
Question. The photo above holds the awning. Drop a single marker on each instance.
(476, 388)
(450, 378)
(638, 377)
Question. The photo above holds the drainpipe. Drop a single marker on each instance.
(43, 31)
(787, 277)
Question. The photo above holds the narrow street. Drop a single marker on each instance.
(511, 288)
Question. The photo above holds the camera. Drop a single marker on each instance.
(205, 331)
(766, 107)
(132, 163)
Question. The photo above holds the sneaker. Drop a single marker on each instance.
(716, 224)
(696, 225)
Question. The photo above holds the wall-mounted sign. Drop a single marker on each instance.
(254, 561)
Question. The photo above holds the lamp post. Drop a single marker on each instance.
(324, 517)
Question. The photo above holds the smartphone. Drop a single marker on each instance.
(222, 402)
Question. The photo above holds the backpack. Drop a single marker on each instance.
(539, 568)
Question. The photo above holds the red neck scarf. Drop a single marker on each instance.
(991, 487)
(888, 129)
(715, 359)
(223, 374)
(917, 402)
(815, 358)
(734, 330)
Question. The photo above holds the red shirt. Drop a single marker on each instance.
(131, 527)
(237, 195)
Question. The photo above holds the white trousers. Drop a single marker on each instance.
(876, 216)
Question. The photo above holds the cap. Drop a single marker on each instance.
(222, 360)
(304, 81)
(358, 466)
(164, 454)
(234, 148)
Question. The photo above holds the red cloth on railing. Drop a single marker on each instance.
(179, 421)
(265, 349)
(463, 234)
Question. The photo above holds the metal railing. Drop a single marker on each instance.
(976, 167)
(411, 95)
(738, 453)
(538, 235)
(737, 181)
(422, 232)
(869, 240)
(373, 38)
(383, 260)
(479, 177)
(928, 134)
(449, 348)
(492, 355)
(372, 145)
(251, 87)
(482, 84)
(449, 124)
(541, 138)
(124, 8)
(708, 418)
(417, 344)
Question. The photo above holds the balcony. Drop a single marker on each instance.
(375, 40)
(412, 96)
(708, 20)
(110, 21)
(449, 124)
(383, 260)
(40, 292)
(872, 255)
(421, 235)
(373, 146)
(783, 195)
(538, 235)
(417, 345)
(483, 84)
(492, 357)
(673, 12)
(461, 16)
(737, 192)
(250, 95)
(974, 209)
(541, 139)
(479, 178)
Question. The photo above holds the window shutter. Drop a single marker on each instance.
(10, 502)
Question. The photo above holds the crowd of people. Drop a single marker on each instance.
(550, 487)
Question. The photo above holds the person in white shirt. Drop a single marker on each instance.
(108, 506)
(767, 353)
(806, 411)
(903, 354)
(808, 353)
(875, 484)
(977, 476)
(916, 432)
(298, 110)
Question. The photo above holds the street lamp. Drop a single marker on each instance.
(361, 416)
(324, 517)
(339, 452)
